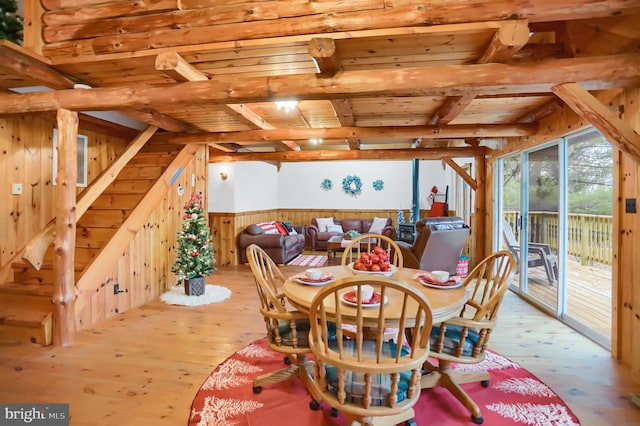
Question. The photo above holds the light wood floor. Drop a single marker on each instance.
(144, 366)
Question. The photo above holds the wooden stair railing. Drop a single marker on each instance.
(91, 278)
(34, 251)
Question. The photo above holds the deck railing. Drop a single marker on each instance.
(590, 237)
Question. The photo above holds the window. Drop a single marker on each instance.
(82, 158)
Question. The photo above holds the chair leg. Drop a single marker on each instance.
(462, 396)
(446, 378)
(274, 377)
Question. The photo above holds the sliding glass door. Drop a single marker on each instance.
(555, 214)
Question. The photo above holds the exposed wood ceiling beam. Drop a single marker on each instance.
(461, 172)
(598, 72)
(344, 114)
(15, 60)
(591, 109)
(506, 42)
(386, 154)
(22, 62)
(176, 67)
(403, 15)
(542, 111)
(395, 132)
(157, 119)
(325, 55)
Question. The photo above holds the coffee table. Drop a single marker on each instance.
(334, 244)
(337, 243)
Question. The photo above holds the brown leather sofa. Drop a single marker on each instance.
(438, 244)
(318, 240)
(281, 248)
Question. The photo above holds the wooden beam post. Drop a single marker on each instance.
(64, 295)
(480, 220)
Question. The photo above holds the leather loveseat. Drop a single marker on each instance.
(281, 248)
(438, 244)
(318, 240)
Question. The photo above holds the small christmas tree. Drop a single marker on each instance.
(194, 255)
(10, 21)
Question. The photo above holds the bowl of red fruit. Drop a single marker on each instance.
(374, 262)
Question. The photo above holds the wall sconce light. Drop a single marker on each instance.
(223, 176)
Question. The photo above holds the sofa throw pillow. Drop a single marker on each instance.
(282, 229)
(377, 225)
(269, 227)
(323, 223)
(335, 228)
(254, 230)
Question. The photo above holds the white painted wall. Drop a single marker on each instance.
(260, 186)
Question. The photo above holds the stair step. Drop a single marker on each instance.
(27, 289)
(26, 325)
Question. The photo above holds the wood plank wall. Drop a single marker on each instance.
(226, 227)
(143, 271)
(26, 157)
(626, 226)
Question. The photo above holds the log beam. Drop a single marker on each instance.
(64, 296)
(506, 42)
(610, 125)
(542, 111)
(461, 172)
(176, 67)
(387, 154)
(595, 73)
(16, 60)
(325, 55)
(391, 132)
(344, 114)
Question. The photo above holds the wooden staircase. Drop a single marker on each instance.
(25, 303)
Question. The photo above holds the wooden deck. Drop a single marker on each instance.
(588, 294)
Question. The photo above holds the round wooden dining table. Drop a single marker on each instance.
(445, 302)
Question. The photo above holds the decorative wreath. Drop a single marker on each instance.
(327, 184)
(378, 185)
(352, 185)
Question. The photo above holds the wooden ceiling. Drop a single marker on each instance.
(373, 79)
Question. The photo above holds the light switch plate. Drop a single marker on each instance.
(16, 188)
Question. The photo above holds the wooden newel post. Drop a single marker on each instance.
(64, 295)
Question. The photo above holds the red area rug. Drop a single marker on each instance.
(309, 260)
(514, 397)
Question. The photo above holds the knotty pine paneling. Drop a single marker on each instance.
(143, 270)
(26, 157)
(626, 270)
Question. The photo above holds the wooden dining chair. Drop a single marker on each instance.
(366, 243)
(464, 339)
(368, 378)
(287, 329)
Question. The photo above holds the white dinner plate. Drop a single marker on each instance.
(364, 305)
(314, 283)
(440, 286)
(384, 274)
